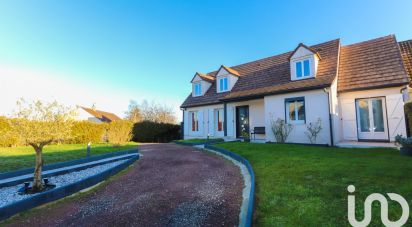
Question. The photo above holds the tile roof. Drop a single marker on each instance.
(366, 65)
(270, 76)
(406, 52)
(371, 64)
(101, 115)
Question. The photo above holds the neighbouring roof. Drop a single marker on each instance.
(371, 64)
(102, 115)
(376, 63)
(406, 52)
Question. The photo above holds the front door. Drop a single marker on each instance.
(242, 121)
(371, 119)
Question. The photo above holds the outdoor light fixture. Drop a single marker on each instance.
(46, 181)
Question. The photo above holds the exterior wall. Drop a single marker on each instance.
(335, 112)
(256, 116)
(206, 122)
(394, 110)
(316, 106)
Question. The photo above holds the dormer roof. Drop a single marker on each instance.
(204, 77)
(229, 70)
(306, 47)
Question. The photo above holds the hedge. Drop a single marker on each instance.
(86, 131)
(8, 137)
(119, 132)
(148, 131)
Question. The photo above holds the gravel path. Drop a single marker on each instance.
(171, 185)
(10, 195)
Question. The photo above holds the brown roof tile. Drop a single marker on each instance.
(406, 51)
(366, 65)
(272, 75)
(102, 115)
(371, 64)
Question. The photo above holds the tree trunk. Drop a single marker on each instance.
(37, 181)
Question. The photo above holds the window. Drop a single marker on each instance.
(302, 69)
(195, 121)
(198, 89)
(295, 110)
(223, 84)
(219, 120)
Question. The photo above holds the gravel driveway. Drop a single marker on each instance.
(171, 185)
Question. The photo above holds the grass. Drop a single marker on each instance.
(14, 158)
(300, 185)
(200, 140)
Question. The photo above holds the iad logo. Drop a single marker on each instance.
(384, 209)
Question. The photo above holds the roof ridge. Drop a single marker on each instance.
(371, 40)
(272, 56)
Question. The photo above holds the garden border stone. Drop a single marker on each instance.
(61, 192)
(249, 214)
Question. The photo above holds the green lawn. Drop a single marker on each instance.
(300, 185)
(15, 158)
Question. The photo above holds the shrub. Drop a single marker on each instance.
(281, 130)
(148, 131)
(313, 129)
(8, 137)
(85, 131)
(119, 132)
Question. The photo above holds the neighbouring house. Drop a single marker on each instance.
(358, 91)
(96, 116)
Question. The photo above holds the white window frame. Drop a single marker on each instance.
(311, 69)
(222, 79)
(200, 89)
(287, 107)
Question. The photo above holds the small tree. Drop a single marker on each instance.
(40, 124)
(281, 130)
(313, 130)
(119, 132)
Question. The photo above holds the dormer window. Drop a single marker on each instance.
(223, 84)
(197, 87)
(303, 69)
(303, 63)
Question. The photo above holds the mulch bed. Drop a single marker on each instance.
(171, 185)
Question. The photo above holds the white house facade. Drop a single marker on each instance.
(357, 92)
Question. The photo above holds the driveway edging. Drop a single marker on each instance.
(247, 217)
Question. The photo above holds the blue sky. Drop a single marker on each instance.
(122, 50)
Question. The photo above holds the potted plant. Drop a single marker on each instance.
(405, 143)
(245, 136)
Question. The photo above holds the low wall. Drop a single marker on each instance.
(68, 163)
(61, 192)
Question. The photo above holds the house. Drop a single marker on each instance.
(96, 116)
(357, 91)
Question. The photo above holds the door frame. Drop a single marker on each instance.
(387, 121)
(237, 119)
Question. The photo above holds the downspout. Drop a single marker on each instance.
(182, 125)
(330, 117)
